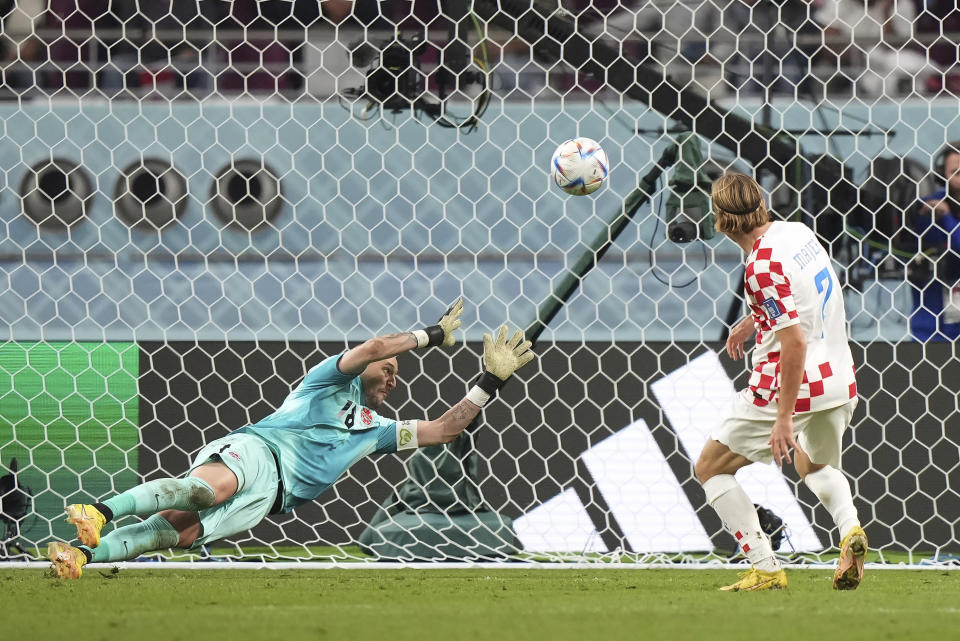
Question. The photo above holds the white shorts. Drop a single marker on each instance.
(746, 431)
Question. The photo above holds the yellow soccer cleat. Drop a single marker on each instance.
(89, 522)
(853, 550)
(754, 579)
(67, 560)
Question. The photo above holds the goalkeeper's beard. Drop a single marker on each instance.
(374, 398)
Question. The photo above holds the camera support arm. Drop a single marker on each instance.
(601, 243)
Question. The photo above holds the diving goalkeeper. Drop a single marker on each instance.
(326, 424)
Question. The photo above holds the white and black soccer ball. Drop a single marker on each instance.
(579, 166)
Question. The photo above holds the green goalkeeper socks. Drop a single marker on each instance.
(131, 541)
(190, 494)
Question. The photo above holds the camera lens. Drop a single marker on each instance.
(682, 232)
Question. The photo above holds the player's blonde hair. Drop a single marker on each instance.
(738, 203)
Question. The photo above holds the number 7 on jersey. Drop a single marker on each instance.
(823, 280)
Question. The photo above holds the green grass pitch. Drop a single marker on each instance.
(554, 605)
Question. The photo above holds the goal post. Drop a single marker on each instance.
(189, 226)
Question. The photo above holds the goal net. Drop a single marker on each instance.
(201, 200)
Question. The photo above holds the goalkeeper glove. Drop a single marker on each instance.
(442, 332)
(501, 358)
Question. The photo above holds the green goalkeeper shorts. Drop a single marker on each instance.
(249, 458)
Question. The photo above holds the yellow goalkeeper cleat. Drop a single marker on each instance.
(853, 550)
(89, 522)
(67, 560)
(754, 579)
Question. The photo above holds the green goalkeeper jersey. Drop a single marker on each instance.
(320, 430)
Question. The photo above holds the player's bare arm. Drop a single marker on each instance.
(449, 426)
(793, 352)
(356, 359)
(502, 356)
(740, 334)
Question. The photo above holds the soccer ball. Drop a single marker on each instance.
(579, 166)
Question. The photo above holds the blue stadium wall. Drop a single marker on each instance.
(376, 220)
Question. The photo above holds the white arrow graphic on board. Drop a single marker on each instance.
(695, 399)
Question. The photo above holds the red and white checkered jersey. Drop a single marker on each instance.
(789, 280)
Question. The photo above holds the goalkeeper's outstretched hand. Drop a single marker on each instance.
(451, 321)
(502, 357)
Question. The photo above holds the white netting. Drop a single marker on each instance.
(202, 199)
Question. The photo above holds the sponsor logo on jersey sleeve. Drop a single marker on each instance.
(772, 308)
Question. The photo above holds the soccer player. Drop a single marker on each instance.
(326, 424)
(802, 390)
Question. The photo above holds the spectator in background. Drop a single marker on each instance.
(256, 63)
(661, 36)
(275, 63)
(92, 54)
(882, 30)
(939, 17)
(935, 273)
(18, 45)
(728, 46)
(68, 64)
(754, 42)
(164, 62)
(338, 30)
(336, 11)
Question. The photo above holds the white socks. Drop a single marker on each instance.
(833, 490)
(739, 516)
